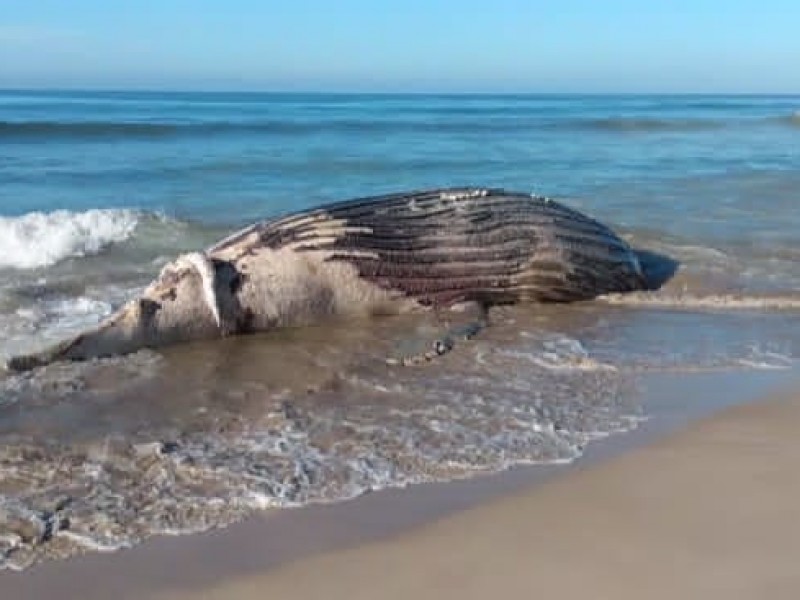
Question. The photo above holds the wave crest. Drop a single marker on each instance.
(455, 120)
(648, 124)
(41, 239)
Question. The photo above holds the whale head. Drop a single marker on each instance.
(183, 303)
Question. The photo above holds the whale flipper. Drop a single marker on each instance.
(446, 339)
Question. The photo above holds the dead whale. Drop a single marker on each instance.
(379, 255)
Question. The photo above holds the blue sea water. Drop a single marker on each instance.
(230, 158)
(99, 189)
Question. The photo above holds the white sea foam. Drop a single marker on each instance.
(709, 302)
(760, 358)
(96, 544)
(302, 449)
(40, 239)
(559, 353)
(76, 313)
(38, 325)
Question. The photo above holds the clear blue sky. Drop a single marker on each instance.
(403, 45)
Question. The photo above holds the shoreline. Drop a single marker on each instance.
(267, 545)
(709, 512)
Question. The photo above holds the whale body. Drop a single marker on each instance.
(379, 255)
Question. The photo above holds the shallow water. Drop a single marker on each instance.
(99, 190)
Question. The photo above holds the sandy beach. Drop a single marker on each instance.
(688, 506)
(710, 512)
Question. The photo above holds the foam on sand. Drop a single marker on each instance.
(719, 302)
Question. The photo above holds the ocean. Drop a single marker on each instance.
(98, 190)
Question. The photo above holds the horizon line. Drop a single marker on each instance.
(341, 92)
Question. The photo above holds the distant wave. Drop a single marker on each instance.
(112, 129)
(459, 120)
(645, 124)
(56, 129)
(98, 129)
(42, 239)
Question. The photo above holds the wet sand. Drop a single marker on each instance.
(711, 511)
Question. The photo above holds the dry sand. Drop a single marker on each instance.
(711, 512)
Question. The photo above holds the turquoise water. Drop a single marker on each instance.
(99, 190)
(230, 158)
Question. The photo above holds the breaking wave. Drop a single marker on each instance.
(41, 239)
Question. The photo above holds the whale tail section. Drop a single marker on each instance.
(657, 269)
